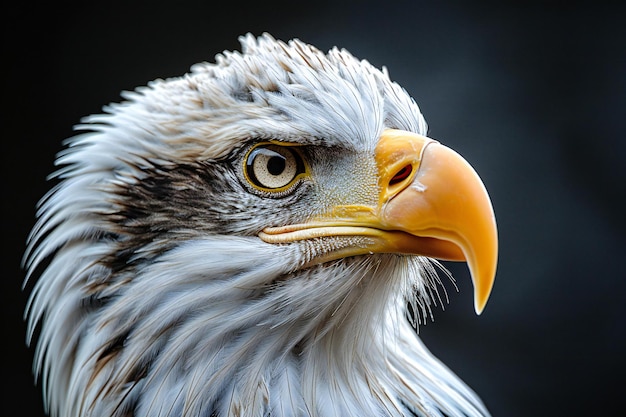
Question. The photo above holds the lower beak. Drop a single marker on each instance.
(431, 203)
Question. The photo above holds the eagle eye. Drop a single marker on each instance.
(271, 167)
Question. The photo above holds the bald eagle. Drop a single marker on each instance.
(258, 237)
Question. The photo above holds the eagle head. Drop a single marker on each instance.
(248, 240)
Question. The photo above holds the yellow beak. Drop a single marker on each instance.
(445, 201)
(431, 203)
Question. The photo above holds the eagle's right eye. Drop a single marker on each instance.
(273, 168)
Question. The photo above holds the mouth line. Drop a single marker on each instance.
(380, 240)
(299, 232)
(369, 240)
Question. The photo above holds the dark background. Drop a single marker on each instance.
(534, 96)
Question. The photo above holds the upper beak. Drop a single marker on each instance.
(431, 203)
(443, 200)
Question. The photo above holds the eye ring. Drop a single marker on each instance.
(272, 167)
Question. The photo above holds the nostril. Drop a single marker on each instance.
(401, 175)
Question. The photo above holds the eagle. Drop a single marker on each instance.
(261, 236)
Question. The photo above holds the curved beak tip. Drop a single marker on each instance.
(480, 302)
(483, 283)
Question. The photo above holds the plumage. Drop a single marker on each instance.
(204, 252)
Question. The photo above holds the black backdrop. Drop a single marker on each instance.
(533, 96)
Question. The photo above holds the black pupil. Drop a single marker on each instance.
(276, 165)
